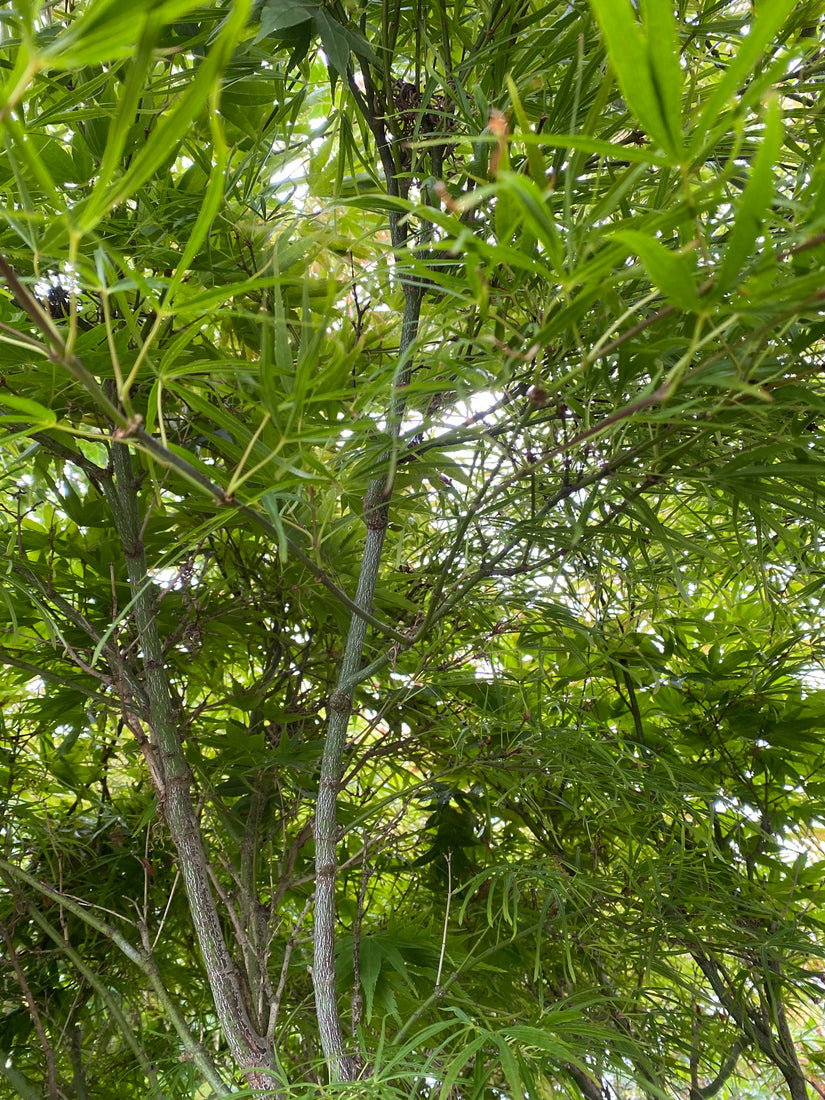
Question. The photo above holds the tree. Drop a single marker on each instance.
(411, 501)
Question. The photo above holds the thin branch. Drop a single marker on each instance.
(58, 352)
(728, 1066)
(50, 677)
(37, 1020)
(165, 913)
(357, 995)
(251, 1052)
(279, 992)
(589, 1088)
(449, 858)
(144, 960)
(376, 516)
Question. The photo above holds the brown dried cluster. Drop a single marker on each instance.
(410, 122)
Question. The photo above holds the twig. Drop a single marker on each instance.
(48, 1050)
(448, 855)
(279, 992)
(175, 882)
(357, 996)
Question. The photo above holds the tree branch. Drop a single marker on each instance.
(144, 960)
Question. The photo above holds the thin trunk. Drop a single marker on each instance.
(755, 1027)
(252, 1054)
(727, 1068)
(343, 1067)
(588, 1086)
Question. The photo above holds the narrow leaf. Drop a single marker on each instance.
(762, 31)
(755, 200)
(509, 1068)
(534, 158)
(108, 30)
(631, 62)
(174, 125)
(334, 42)
(40, 416)
(663, 60)
(212, 198)
(668, 271)
(458, 1063)
(270, 503)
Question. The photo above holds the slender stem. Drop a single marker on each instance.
(357, 996)
(31, 1004)
(290, 947)
(449, 859)
(58, 351)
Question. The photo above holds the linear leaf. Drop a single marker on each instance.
(175, 124)
(668, 271)
(761, 31)
(38, 414)
(510, 1068)
(108, 30)
(631, 61)
(535, 162)
(663, 61)
(755, 200)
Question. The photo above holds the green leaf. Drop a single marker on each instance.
(371, 958)
(538, 173)
(107, 30)
(35, 416)
(509, 1068)
(762, 29)
(670, 272)
(543, 1038)
(455, 1067)
(277, 15)
(339, 42)
(164, 140)
(32, 410)
(270, 503)
(123, 117)
(648, 86)
(755, 201)
(663, 64)
(535, 213)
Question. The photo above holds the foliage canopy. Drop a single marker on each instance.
(411, 500)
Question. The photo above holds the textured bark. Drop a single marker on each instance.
(756, 1027)
(253, 1055)
(727, 1068)
(587, 1085)
(343, 1067)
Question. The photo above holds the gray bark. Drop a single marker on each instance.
(343, 1067)
(253, 1055)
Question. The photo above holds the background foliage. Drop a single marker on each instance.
(411, 495)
